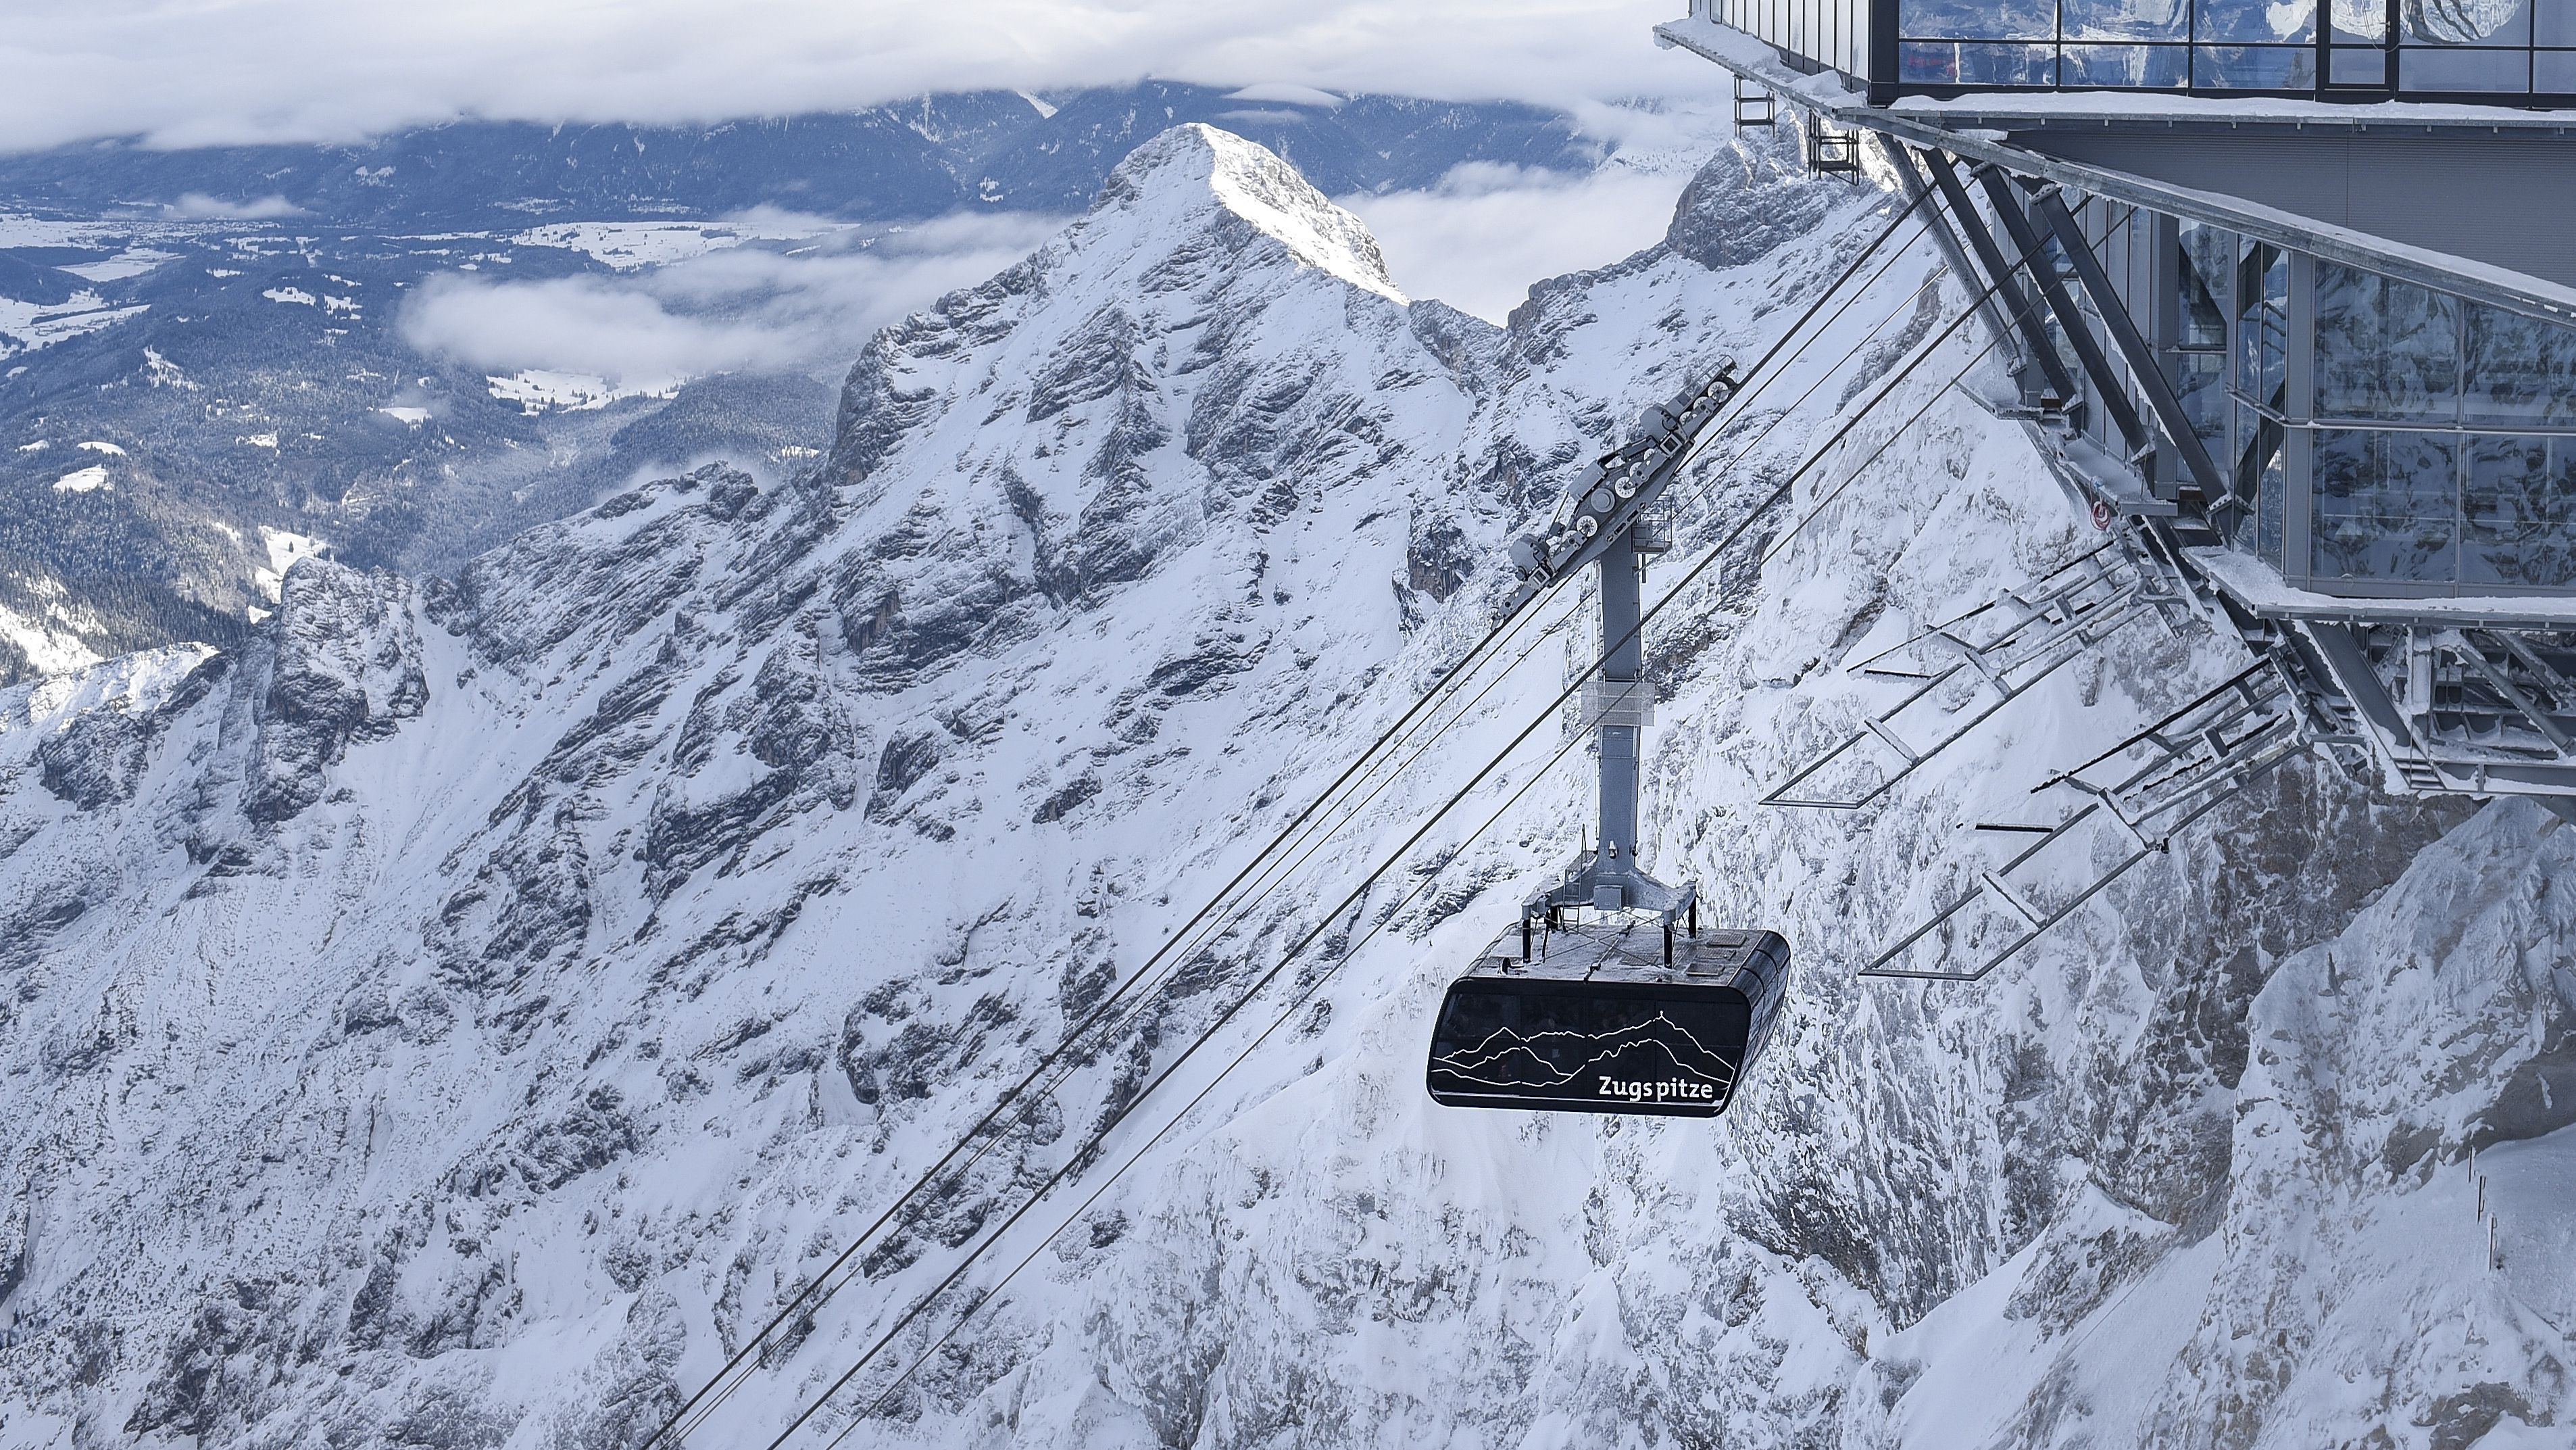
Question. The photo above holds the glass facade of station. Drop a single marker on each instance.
(2384, 437)
(2487, 47)
(2483, 50)
(2378, 437)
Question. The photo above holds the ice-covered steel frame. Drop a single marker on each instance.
(2510, 52)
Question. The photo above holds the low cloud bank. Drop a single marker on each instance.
(807, 306)
(1481, 238)
(197, 206)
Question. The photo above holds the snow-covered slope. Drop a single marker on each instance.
(461, 1017)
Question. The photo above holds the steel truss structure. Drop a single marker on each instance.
(1961, 671)
(2129, 802)
(2424, 696)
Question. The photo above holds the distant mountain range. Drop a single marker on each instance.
(993, 149)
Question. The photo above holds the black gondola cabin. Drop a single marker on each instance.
(1601, 1022)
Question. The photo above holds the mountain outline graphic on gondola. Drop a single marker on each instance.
(1531, 1067)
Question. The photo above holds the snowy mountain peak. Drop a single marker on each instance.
(1190, 165)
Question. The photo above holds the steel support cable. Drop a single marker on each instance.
(1325, 922)
(1761, 381)
(694, 1412)
(1836, 491)
(1740, 454)
(1305, 850)
(1710, 475)
(1286, 1014)
(1792, 532)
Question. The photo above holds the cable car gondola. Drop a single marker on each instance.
(1599, 1011)
(1605, 1022)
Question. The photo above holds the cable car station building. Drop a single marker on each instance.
(2291, 288)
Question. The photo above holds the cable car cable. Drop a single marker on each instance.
(922, 1305)
(1711, 474)
(1835, 492)
(1285, 1015)
(719, 1388)
(1508, 671)
(1325, 922)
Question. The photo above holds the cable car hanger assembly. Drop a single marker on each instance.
(1610, 1025)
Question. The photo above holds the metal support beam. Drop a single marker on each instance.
(2476, 659)
(1623, 662)
(2070, 318)
(1999, 272)
(2133, 346)
(1608, 877)
(1990, 311)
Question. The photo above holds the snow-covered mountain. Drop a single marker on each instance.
(405, 350)
(463, 1014)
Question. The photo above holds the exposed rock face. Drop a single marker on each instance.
(464, 1016)
(1754, 198)
(344, 668)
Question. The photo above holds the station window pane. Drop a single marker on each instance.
(2553, 72)
(2349, 67)
(2555, 24)
(1977, 63)
(2130, 67)
(2387, 505)
(2359, 22)
(1977, 19)
(2385, 349)
(2425, 68)
(2519, 503)
(2262, 481)
(2262, 324)
(2255, 20)
(2520, 369)
(2269, 507)
(2254, 67)
(2466, 22)
(2203, 386)
(2125, 19)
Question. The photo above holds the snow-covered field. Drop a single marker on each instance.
(465, 1015)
